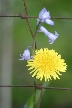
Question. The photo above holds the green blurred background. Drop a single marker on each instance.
(63, 45)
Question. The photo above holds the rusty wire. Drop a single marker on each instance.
(37, 87)
(24, 16)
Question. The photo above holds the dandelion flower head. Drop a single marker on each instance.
(46, 64)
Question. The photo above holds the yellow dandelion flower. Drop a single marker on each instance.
(46, 64)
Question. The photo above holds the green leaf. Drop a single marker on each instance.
(30, 101)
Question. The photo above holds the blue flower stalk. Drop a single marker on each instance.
(44, 63)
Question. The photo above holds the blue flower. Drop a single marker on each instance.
(44, 16)
(52, 37)
(44, 30)
(25, 55)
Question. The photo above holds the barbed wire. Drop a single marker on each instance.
(24, 16)
(37, 87)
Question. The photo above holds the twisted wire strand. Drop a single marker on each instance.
(24, 16)
(37, 86)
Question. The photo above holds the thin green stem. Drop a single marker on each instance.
(33, 52)
(33, 45)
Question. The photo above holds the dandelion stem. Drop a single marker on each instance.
(34, 99)
(40, 99)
